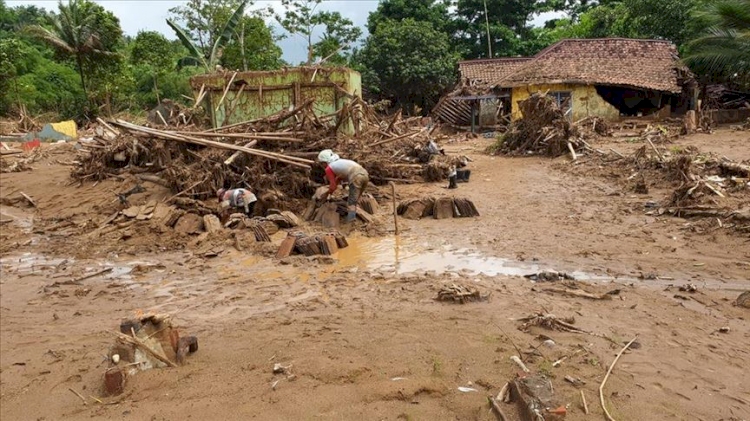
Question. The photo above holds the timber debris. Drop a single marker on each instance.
(145, 342)
(460, 294)
(272, 154)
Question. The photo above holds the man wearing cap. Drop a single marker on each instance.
(237, 198)
(338, 169)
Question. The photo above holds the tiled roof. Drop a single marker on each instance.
(488, 70)
(645, 64)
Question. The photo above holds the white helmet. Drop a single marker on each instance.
(327, 156)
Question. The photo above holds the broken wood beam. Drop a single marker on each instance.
(248, 136)
(237, 154)
(298, 162)
(393, 139)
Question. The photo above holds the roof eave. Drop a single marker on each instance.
(672, 90)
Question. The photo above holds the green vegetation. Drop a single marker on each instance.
(75, 60)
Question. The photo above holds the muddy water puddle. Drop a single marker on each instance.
(401, 256)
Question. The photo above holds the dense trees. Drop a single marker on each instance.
(723, 51)
(74, 60)
(409, 61)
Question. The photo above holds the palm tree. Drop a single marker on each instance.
(209, 59)
(723, 52)
(74, 33)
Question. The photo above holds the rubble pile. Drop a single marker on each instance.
(275, 154)
(144, 343)
(543, 130)
(438, 208)
(698, 185)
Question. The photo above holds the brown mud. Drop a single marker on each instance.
(362, 332)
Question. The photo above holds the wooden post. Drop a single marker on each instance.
(395, 208)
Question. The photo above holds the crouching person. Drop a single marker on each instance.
(352, 173)
(241, 199)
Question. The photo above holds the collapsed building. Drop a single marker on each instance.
(609, 78)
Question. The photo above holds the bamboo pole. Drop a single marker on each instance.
(248, 136)
(299, 162)
(393, 139)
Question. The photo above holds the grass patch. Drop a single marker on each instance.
(497, 145)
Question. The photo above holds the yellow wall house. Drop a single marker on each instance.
(611, 78)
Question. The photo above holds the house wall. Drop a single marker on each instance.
(266, 93)
(586, 102)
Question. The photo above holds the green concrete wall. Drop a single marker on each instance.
(254, 95)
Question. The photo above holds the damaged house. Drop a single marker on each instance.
(609, 78)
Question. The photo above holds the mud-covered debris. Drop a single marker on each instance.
(536, 399)
(281, 369)
(189, 223)
(114, 381)
(438, 208)
(212, 224)
(549, 321)
(689, 288)
(549, 276)
(460, 294)
(743, 300)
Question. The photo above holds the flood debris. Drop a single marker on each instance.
(143, 343)
(275, 153)
(536, 400)
(438, 208)
(549, 321)
(743, 300)
(300, 243)
(549, 276)
(606, 377)
(543, 130)
(705, 187)
(455, 293)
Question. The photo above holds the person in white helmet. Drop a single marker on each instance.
(237, 198)
(338, 169)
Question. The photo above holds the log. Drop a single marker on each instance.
(734, 168)
(299, 162)
(248, 136)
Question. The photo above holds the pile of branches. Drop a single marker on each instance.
(703, 186)
(274, 156)
(543, 130)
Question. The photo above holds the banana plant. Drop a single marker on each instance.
(209, 58)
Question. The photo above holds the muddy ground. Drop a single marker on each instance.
(363, 334)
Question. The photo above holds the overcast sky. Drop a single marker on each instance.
(138, 15)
